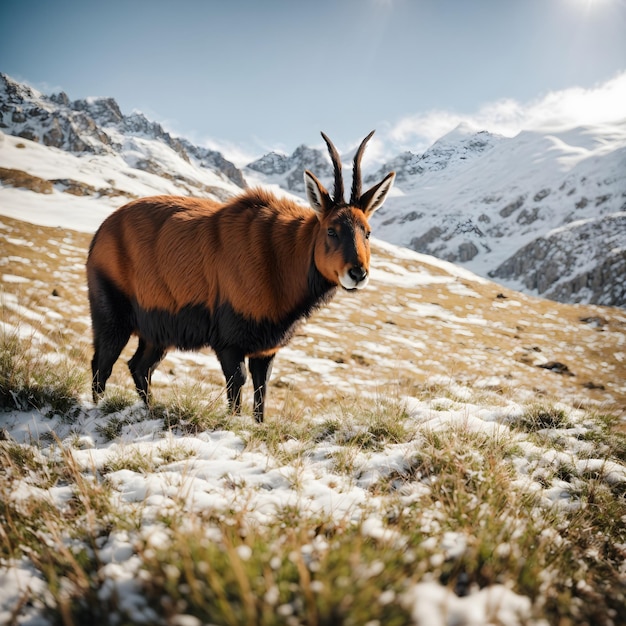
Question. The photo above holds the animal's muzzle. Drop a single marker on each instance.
(357, 274)
(354, 278)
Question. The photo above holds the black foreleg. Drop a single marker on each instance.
(234, 368)
(261, 369)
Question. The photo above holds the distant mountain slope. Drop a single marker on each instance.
(487, 202)
(584, 261)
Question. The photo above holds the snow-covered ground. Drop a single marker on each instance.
(222, 474)
(117, 181)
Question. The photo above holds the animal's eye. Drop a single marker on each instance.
(332, 232)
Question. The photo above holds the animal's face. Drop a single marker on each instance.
(342, 250)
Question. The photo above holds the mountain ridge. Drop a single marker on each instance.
(481, 200)
(93, 125)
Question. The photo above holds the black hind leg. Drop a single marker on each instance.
(107, 351)
(144, 362)
(112, 323)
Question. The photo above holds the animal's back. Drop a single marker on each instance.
(166, 253)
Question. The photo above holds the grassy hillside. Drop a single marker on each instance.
(437, 448)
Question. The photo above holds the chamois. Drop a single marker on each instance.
(188, 273)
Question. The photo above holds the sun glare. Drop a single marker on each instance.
(589, 4)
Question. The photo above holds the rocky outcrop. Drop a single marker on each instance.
(214, 160)
(105, 110)
(603, 284)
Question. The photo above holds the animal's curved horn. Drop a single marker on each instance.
(334, 157)
(356, 171)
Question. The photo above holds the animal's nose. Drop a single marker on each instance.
(357, 273)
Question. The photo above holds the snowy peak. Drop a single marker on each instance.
(458, 148)
(405, 165)
(271, 164)
(26, 113)
(104, 111)
(458, 145)
(16, 93)
(98, 126)
(288, 171)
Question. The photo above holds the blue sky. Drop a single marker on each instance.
(250, 75)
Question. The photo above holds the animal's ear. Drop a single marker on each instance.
(316, 194)
(373, 198)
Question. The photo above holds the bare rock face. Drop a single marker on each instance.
(582, 262)
(422, 243)
(467, 251)
(105, 110)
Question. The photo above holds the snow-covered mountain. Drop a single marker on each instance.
(96, 130)
(288, 171)
(543, 212)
